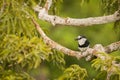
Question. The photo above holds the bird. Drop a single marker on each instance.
(83, 43)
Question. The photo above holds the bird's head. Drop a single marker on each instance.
(79, 37)
(81, 40)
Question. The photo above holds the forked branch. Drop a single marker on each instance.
(98, 48)
(43, 15)
(54, 20)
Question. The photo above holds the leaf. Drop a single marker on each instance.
(23, 51)
(109, 6)
(115, 77)
(101, 76)
(74, 72)
(57, 59)
(11, 75)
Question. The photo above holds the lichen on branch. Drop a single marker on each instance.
(90, 51)
(54, 20)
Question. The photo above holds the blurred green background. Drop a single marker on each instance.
(97, 34)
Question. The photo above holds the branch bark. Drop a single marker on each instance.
(112, 47)
(54, 20)
(91, 51)
(43, 15)
(47, 5)
(53, 44)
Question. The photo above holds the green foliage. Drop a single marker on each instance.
(107, 64)
(57, 59)
(110, 6)
(107, 7)
(101, 76)
(115, 77)
(15, 18)
(56, 5)
(74, 72)
(19, 53)
(20, 47)
(22, 51)
(11, 75)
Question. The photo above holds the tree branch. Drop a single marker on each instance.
(53, 44)
(48, 4)
(43, 15)
(90, 51)
(112, 47)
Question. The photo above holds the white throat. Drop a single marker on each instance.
(82, 41)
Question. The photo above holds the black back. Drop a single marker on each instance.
(84, 45)
(82, 37)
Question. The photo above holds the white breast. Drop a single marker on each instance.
(82, 41)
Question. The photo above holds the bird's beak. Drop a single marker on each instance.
(76, 39)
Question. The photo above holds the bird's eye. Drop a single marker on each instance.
(80, 38)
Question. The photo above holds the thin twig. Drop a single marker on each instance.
(48, 5)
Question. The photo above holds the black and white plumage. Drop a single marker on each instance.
(83, 43)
